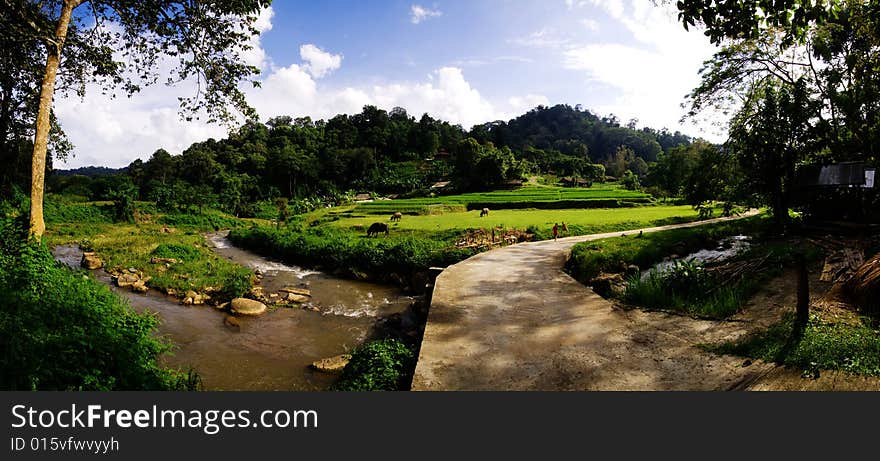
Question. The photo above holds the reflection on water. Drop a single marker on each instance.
(727, 248)
(272, 351)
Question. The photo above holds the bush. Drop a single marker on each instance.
(177, 251)
(339, 249)
(62, 331)
(207, 221)
(378, 366)
(687, 287)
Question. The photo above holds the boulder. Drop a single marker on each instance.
(297, 291)
(90, 261)
(139, 286)
(332, 364)
(608, 285)
(163, 261)
(125, 280)
(232, 322)
(293, 297)
(244, 306)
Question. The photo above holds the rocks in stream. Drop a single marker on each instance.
(131, 278)
(232, 323)
(90, 261)
(193, 298)
(332, 364)
(607, 285)
(244, 306)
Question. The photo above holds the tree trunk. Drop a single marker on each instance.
(803, 291)
(41, 138)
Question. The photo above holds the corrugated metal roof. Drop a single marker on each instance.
(840, 174)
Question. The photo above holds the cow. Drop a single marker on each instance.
(485, 212)
(377, 227)
(396, 216)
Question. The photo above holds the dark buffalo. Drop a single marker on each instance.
(485, 212)
(377, 227)
(396, 216)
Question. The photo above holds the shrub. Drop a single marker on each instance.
(206, 221)
(383, 365)
(177, 251)
(62, 331)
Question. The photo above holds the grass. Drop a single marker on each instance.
(578, 221)
(394, 258)
(588, 259)
(531, 196)
(125, 245)
(60, 330)
(821, 345)
(382, 365)
(697, 294)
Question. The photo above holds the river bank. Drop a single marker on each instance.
(272, 351)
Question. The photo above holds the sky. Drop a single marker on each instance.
(467, 62)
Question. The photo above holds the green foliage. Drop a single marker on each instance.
(384, 365)
(630, 181)
(541, 197)
(208, 221)
(588, 259)
(57, 210)
(177, 251)
(60, 330)
(334, 248)
(687, 287)
(123, 197)
(735, 19)
(821, 345)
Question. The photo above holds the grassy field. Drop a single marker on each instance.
(532, 196)
(579, 222)
(126, 245)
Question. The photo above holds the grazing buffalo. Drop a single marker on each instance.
(396, 216)
(377, 227)
(485, 212)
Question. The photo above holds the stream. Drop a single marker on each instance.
(272, 351)
(727, 248)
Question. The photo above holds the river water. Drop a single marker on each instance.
(272, 351)
(727, 248)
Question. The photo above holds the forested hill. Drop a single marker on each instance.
(574, 131)
(90, 171)
(389, 153)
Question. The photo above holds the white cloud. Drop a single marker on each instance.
(546, 37)
(418, 13)
(446, 95)
(319, 62)
(650, 75)
(256, 55)
(521, 104)
(591, 24)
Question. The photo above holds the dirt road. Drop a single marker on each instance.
(511, 319)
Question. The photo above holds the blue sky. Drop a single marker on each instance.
(466, 62)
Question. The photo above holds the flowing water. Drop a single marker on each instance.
(727, 248)
(272, 351)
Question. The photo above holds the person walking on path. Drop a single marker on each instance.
(555, 231)
(564, 229)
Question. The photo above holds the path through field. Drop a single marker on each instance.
(511, 319)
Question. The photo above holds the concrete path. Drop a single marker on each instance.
(511, 319)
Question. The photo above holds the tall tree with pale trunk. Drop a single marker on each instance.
(121, 43)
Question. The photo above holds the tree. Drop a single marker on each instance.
(738, 19)
(112, 40)
(769, 137)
